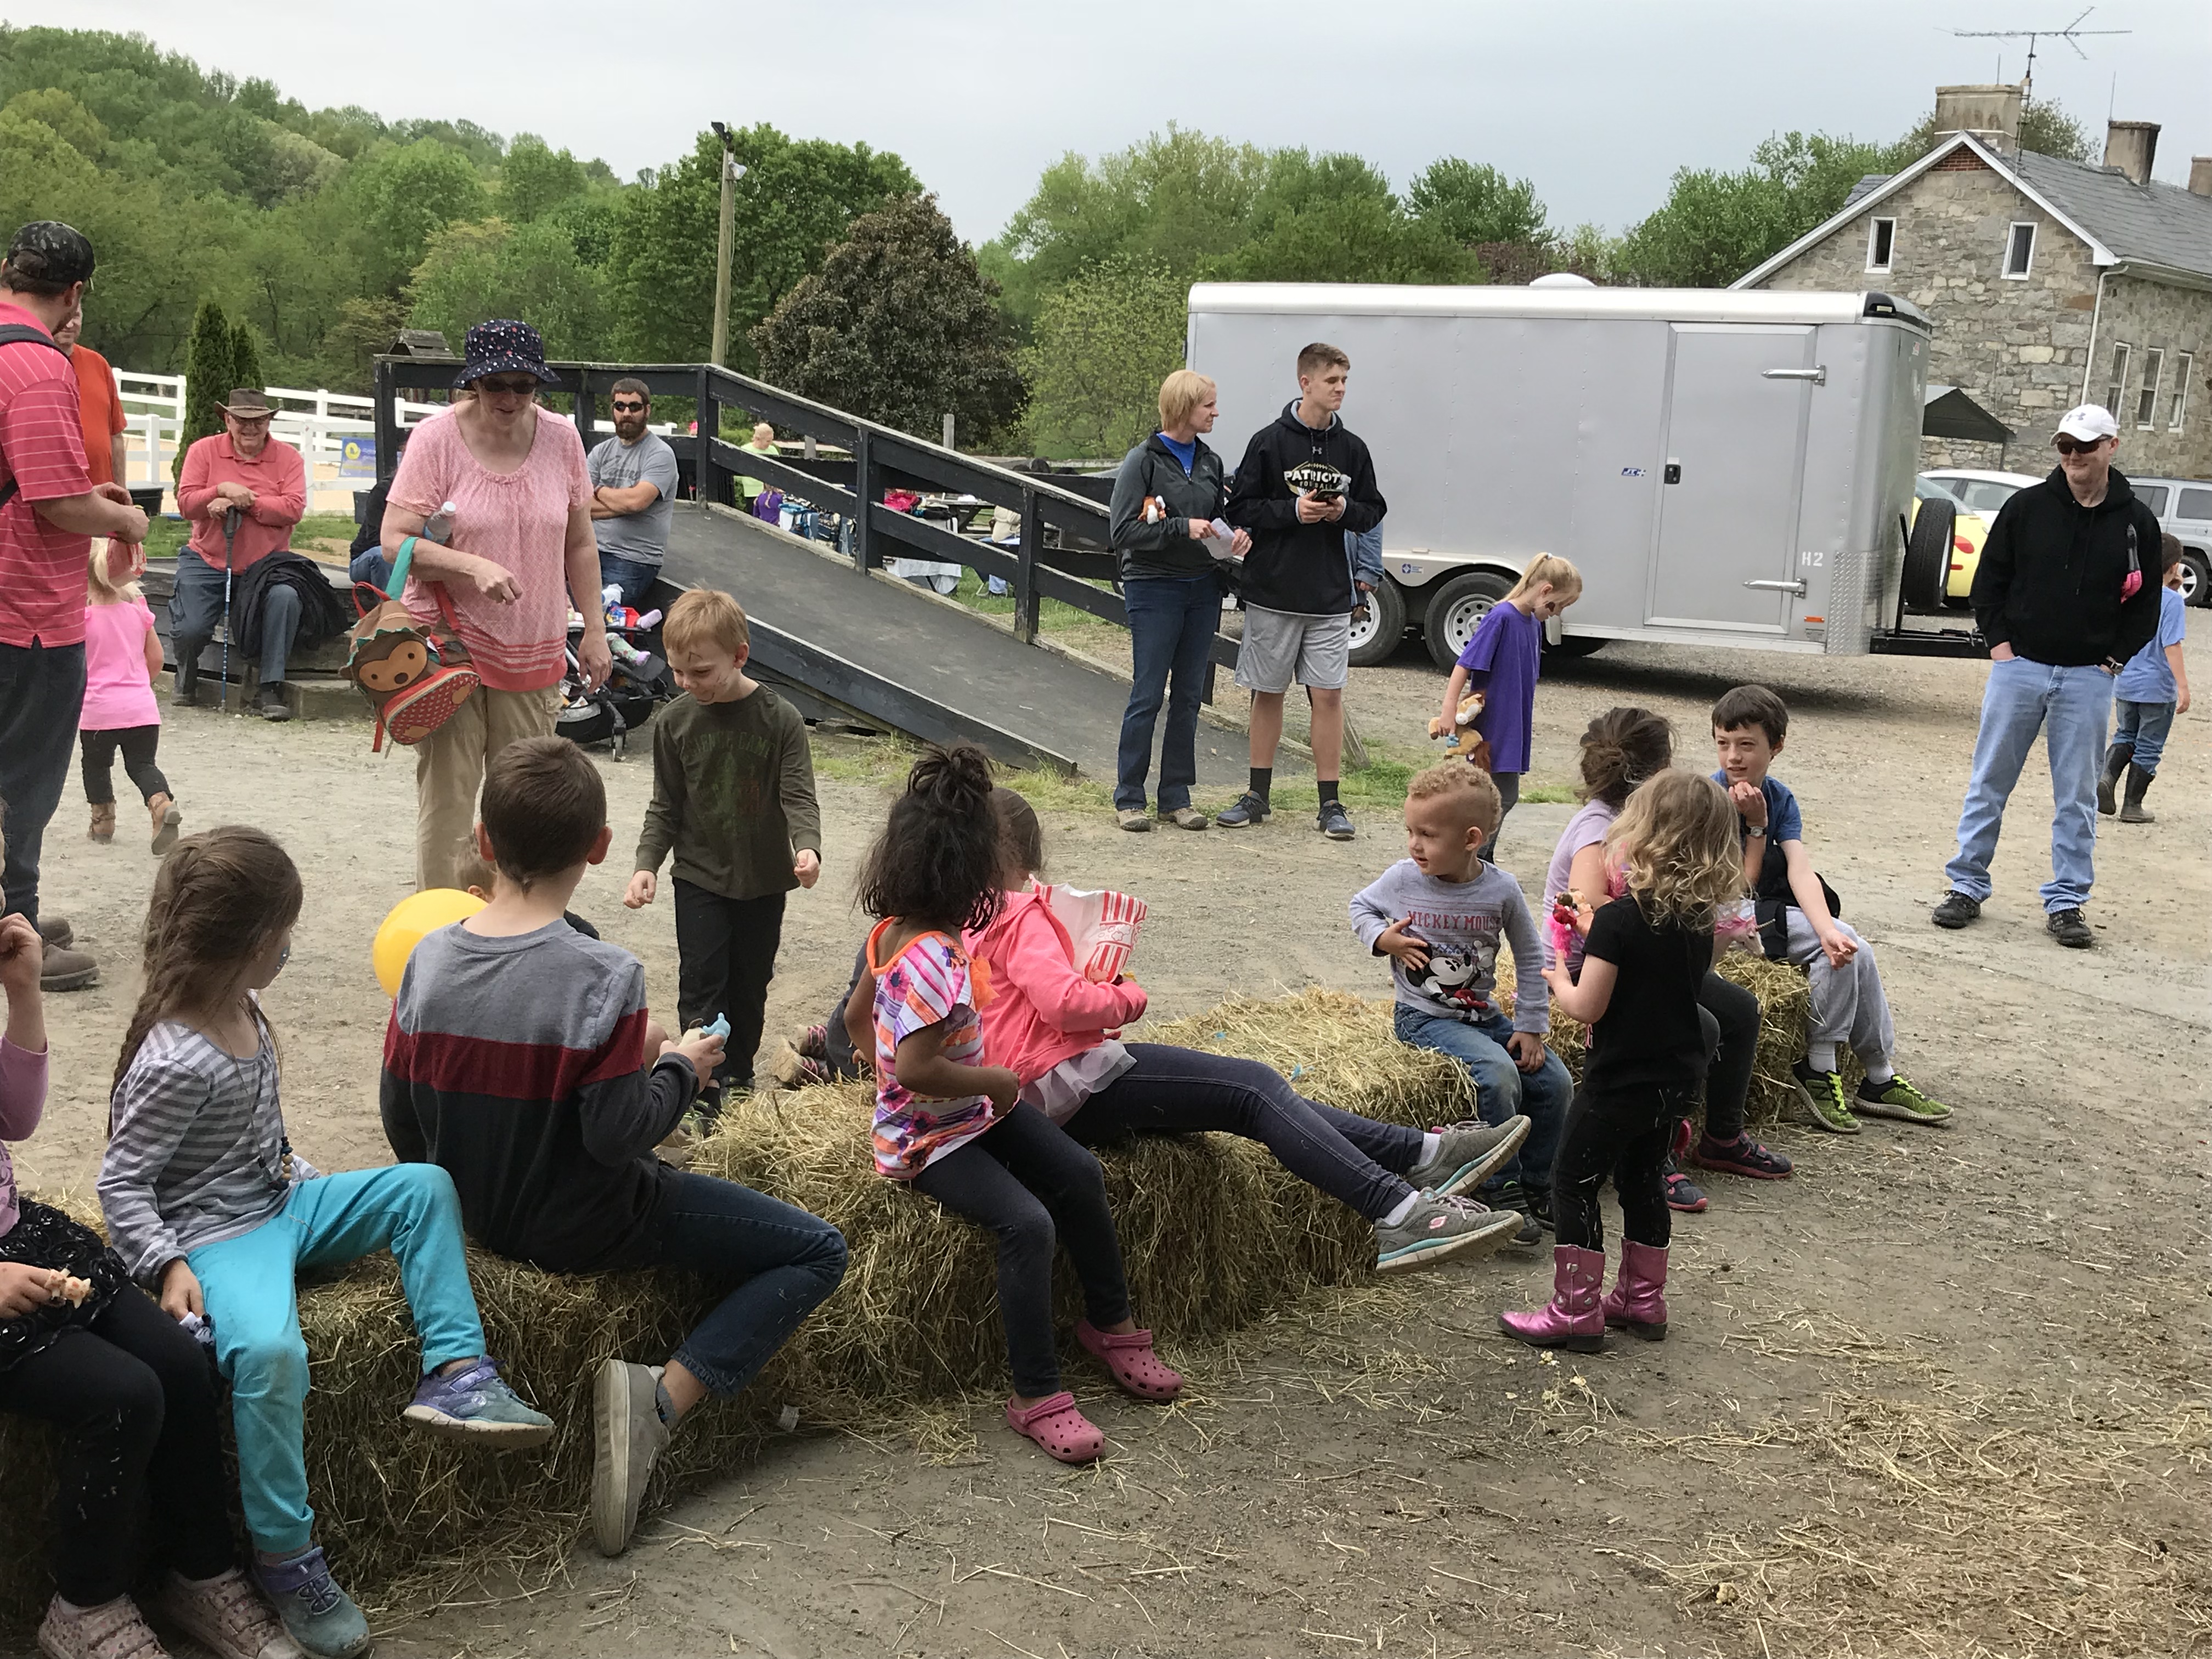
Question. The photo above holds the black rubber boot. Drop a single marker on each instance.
(2116, 762)
(2131, 809)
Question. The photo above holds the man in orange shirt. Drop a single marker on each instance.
(97, 408)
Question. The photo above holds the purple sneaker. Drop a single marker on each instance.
(1742, 1157)
(321, 1618)
(474, 1404)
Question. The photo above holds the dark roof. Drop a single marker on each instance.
(2158, 222)
(1865, 186)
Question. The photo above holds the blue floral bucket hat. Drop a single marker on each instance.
(503, 346)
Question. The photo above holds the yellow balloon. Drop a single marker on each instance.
(412, 917)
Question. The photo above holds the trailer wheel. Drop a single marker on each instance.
(1377, 639)
(1457, 610)
(2195, 577)
(1928, 556)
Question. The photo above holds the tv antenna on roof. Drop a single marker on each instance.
(2072, 34)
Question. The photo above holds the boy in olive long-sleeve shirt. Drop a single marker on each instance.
(734, 799)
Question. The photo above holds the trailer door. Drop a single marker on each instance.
(1734, 454)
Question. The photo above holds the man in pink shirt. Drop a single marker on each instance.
(50, 511)
(259, 486)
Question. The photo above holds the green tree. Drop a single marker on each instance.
(209, 361)
(1102, 342)
(407, 194)
(899, 326)
(798, 199)
(245, 359)
(1332, 218)
(1472, 203)
(534, 179)
(492, 269)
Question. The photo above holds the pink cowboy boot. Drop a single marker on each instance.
(1573, 1318)
(1635, 1302)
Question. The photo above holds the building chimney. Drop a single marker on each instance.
(2200, 175)
(2131, 146)
(1991, 114)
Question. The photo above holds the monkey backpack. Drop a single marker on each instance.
(414, 674)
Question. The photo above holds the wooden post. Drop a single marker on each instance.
(1026, 601)
(864, 495)
(712, 481)
(948, 430)
(719, 351)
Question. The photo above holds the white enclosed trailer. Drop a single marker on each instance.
(1724, 468)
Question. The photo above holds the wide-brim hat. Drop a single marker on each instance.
(246, 403)
(503, 346)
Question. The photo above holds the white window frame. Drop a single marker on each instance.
(1873, 237)
(2185, 365)
(2116, 384)
(2146, 390)
(2012, 235)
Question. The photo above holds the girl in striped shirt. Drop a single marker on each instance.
(954, 1127)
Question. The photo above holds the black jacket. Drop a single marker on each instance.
(323, 614)
(1303, 567)
(2051, 574)
(1164, 548)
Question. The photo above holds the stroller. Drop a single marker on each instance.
(639, 683)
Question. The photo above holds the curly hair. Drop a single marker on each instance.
(1676, 839)
(936, 862)
(1476, 788)
(1620, 749)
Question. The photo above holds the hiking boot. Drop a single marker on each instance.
(1573, 1318)
(1825, 1102)
(114, 1630)
(322, 1618)
(1956, 909)
(185, 694)
(1184, 817)
(1900, 1099)
(2116, 762)
(1742, 1157)
(1334, 821)
(167, 816)
(1437, 1227)
(227, 1616)
(2131, 809)
(2070, 928)
(473, 1404)
(1250, 809)
(627, 1437)
(1134, 819)
(103, 823)
(1683, 1194)
(56, 930)
(65, 969)
(1466, 1153)
(269, 703)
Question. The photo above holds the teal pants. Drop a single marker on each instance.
(410, 1209)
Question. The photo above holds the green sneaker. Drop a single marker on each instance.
(1900, 1099)
(1826, 1104)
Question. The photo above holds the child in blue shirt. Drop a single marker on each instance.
(2150, 691)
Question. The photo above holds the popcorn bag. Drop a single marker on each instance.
(1102, 925)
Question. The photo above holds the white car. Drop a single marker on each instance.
(1979, 491)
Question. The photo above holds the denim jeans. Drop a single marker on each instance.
(636, 580)
(789, 1261)
(1171, 626)
(197, 605)
(1502, 1089)
(2068, 706)
(370, 566)
(2141, 730)
(1187, 1090)
(41, 694)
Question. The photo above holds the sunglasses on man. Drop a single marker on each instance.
(627, 406)
(2068, 447)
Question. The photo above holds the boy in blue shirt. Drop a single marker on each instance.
(1797, 925)
(2149, 692)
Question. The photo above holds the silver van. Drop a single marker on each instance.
(2184, 507)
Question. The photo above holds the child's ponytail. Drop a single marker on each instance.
(937, 862)
(1620, 749)
(1560, 574)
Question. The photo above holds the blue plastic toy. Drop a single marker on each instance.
(721, 1027)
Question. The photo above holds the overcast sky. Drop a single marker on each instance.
(1598, 103)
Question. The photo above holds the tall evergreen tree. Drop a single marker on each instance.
(245, 358)
(209, 359)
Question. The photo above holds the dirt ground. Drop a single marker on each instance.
(1943, 1392)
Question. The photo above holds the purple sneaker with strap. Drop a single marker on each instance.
(473, 1403)
(321, 1618)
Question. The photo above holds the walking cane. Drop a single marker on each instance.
(229, 533)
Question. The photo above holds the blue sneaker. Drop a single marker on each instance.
(322, 1618)
(473, 1404)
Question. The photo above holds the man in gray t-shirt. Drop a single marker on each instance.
(633, 488)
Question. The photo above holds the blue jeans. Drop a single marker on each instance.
(410, 1209)
(41, 695)
(196, 606)
(1501, 1087)
(370, 566)
(634, 580)
(1172, 621)
(788, 1262)
(2142, 729)
(2068, 706)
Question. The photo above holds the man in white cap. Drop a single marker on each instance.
(2067, 591)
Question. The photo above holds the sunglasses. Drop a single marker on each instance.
(521, 387)
(2067, 446)
(623, 408)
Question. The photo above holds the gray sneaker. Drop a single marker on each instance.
(1468, 1152)
(627, 1435)
(1438, 1227)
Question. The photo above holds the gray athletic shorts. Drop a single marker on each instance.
(1283, 645)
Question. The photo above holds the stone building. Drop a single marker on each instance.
(2051, 283)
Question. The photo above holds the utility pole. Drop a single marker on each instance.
(719, 355)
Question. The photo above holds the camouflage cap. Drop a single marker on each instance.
(47, 252)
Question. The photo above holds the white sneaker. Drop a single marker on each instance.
(627, 1435)
(114, 1630)
(227, 1616)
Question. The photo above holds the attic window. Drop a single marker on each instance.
(2020, 251)
(1882, 242)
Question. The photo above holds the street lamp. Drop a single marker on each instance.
(731, 172)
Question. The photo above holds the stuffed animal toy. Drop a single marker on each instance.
(1456, 736)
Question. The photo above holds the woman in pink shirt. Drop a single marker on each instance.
(245, 476)
(518, 551)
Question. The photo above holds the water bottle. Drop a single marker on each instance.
(438, 525)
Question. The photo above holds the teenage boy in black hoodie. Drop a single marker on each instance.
(2066, 592)
(1298, 579)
